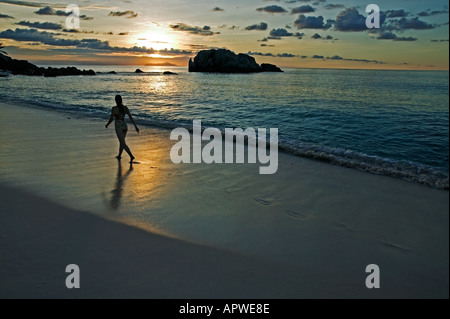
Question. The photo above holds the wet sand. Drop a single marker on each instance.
(160, 230)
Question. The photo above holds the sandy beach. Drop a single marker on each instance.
(160, 230)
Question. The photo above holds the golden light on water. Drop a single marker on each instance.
(139, 189)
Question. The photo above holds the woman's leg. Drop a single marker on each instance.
(121, 134)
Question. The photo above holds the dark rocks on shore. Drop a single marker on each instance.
(18, 66)
(226, 61)
(169, 73)
(138, 71)
(22, 67)
(112, 72)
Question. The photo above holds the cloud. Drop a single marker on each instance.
(386, 36)
(335, 57)
(405, 39)
(76, 31)
(23, 3)
(279, 55)
(174, 52)
(394, 37)
(48, 38)
(303, 9)
(334, 6)
(294, 1)
(413, 23)
(262, 26)
(260, 53)
(350, 20)
(339, 58)
(33, 35)
(51, 12)
(5, 16)
(428, 12)
(317, 36)
(205, 31)
(272, 9)
(280, 33)
(396, 13)
(286, 55)
(217, 9)
(39, 25)
(129, 14)
(365, 61)
(233, 27)
(304, 22)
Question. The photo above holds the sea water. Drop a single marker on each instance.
(391, 123)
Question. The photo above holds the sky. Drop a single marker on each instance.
(289, 33)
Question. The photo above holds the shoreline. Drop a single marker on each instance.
(412, 172)
(307, 232)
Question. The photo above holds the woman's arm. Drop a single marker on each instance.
(132, 120)
(111, 118)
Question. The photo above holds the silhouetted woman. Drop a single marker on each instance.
(118, 113)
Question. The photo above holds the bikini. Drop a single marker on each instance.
(120, 121)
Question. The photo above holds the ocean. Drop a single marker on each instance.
(393, 123)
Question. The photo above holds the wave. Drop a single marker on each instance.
(406, 170)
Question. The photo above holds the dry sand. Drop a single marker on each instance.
(203, 231)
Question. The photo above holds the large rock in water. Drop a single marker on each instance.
(267, 67)
(224, 61)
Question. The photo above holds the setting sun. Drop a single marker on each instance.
(156, 39)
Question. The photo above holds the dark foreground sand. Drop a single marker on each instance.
(203, 231)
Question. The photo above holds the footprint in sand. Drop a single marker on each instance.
(395, 245)
(297, 215)
(264, 201)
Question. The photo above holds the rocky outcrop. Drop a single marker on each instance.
(19, 66)
(70, 70)
(267, 67)
(169, 73)
(138, 71)
(22, 67)
(226, 61)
